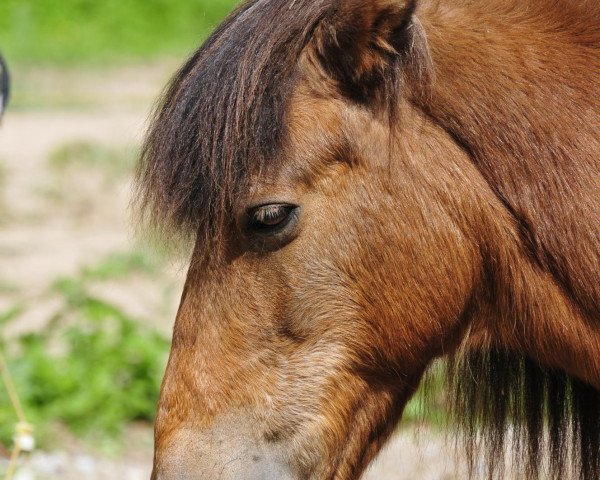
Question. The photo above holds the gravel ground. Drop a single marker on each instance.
(417, 455)
(411, 455)
(67, 466)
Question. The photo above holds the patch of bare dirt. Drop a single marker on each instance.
(52, 223)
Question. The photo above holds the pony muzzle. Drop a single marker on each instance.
(223, 453)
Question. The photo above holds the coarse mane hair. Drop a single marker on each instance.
(508, 407)
(223, 117)
(223, 120)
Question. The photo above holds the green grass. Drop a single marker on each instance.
(119, 265)
(429, 405)
(10, 314)
(94, 32)
(7, 287)
(93, 369)
(89, 155)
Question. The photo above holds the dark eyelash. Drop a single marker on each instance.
(270, 213)
(270, 218)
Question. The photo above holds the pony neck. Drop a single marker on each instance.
(511, 85)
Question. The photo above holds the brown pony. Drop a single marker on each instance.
(371, 185)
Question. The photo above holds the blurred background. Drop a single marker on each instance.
(86, 307)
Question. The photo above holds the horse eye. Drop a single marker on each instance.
(270, 217)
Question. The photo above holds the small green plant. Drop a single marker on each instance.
(93, 368)
(10, 314)
(429, 405)
(122, 264)
(6, 286)
(90, 155)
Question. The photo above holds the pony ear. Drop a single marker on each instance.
(360, 44)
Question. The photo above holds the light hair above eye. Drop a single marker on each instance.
(271, 214)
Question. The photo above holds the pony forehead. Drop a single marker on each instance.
(223, 118)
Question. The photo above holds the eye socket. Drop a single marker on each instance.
(270, 218)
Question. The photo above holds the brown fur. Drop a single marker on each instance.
(446, 163)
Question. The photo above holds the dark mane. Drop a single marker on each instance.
(547, 420)
(222, 117)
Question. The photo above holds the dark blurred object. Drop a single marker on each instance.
(4, 85)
